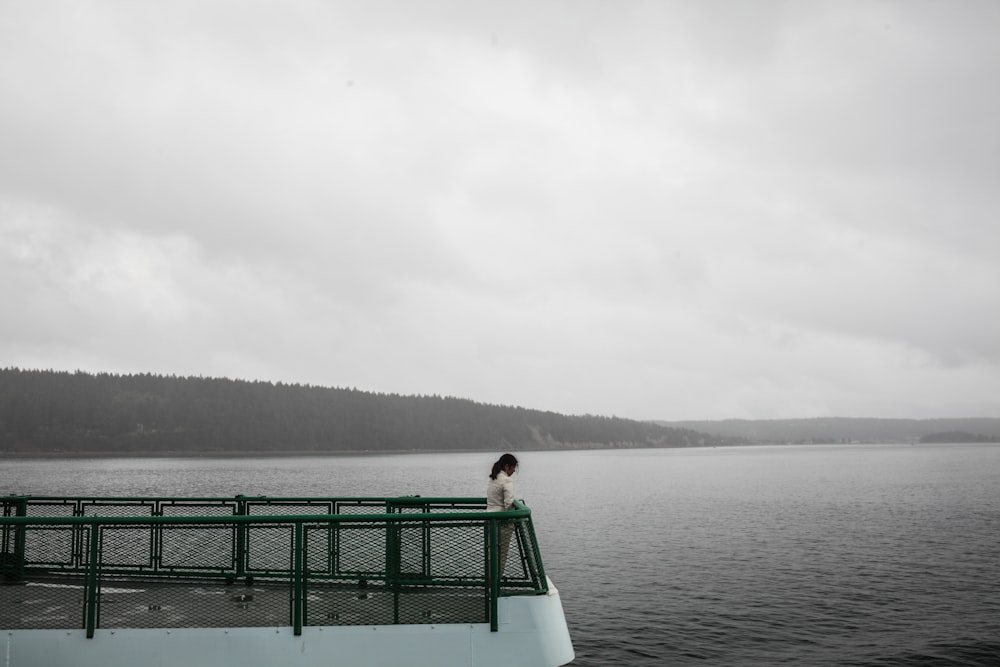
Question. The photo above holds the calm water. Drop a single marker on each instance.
(840, 555)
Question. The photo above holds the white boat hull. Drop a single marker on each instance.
(531, 632)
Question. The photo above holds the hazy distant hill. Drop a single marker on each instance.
(844, 429)
(46, 412)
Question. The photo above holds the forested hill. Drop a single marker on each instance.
(47, 412)
(845, 429)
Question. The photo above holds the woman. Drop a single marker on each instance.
(500, 497)
(500, 490)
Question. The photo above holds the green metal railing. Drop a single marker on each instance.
(258, 561)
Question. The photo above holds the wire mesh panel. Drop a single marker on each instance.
(455, 550)
(175, 601)
(281, 507)
(50, 508)
(441, 573)
(533, 570)
(359, 550)
(55, 547)
(197, 547)
(522, 570)
(126, 546)
(354, 506)
(117, 508)
(358, 603)
(441, 550)
(412, 542)
(52, 546)
(43, 604)
(345, 572)
(197, 509)
(431, 505)
(409, 571)
(269, 549)
(443, 605)
(376, 603)
(319, 548)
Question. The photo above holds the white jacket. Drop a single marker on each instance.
(500, 493)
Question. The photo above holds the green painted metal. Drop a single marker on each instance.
(493, 577)
(411, 548)
(90, 615)
(297, 595)
(12, 542)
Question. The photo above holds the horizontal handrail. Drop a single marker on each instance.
(275, 499)
(416, 546)
(262, 518)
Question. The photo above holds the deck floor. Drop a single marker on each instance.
(58, 603)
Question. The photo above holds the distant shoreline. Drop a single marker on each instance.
(228, 454)
(402, 452)
(218, 455)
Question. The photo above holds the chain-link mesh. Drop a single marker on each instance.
(174, 602)
(189, 508)
(455, 551)
(522, 569)
(57, 546)
(269, 549)
(46, 601)
(126, 547)
(52, 546)
(426, 566)
(400, 572)
(43, 604)
(50, 508)
(358, 550)
(192, 603)
(103, 509)
(196, 547)
(265, 507)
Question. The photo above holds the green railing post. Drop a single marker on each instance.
(12, 550)
(78, 532)
(90, 612)
(538, 571)
(241, 538)
(494, 574)
(156, 539)
(298, 599)
(425, 559)
(333, 542)
(392, 564)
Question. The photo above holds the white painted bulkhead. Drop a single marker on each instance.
(531, 632)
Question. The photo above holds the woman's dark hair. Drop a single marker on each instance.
(505, 460)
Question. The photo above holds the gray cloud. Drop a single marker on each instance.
(657, 210)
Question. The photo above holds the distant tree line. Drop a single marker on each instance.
(826, 430)
(46, 412)
(956, 437)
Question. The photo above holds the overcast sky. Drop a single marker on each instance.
(656, 210)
